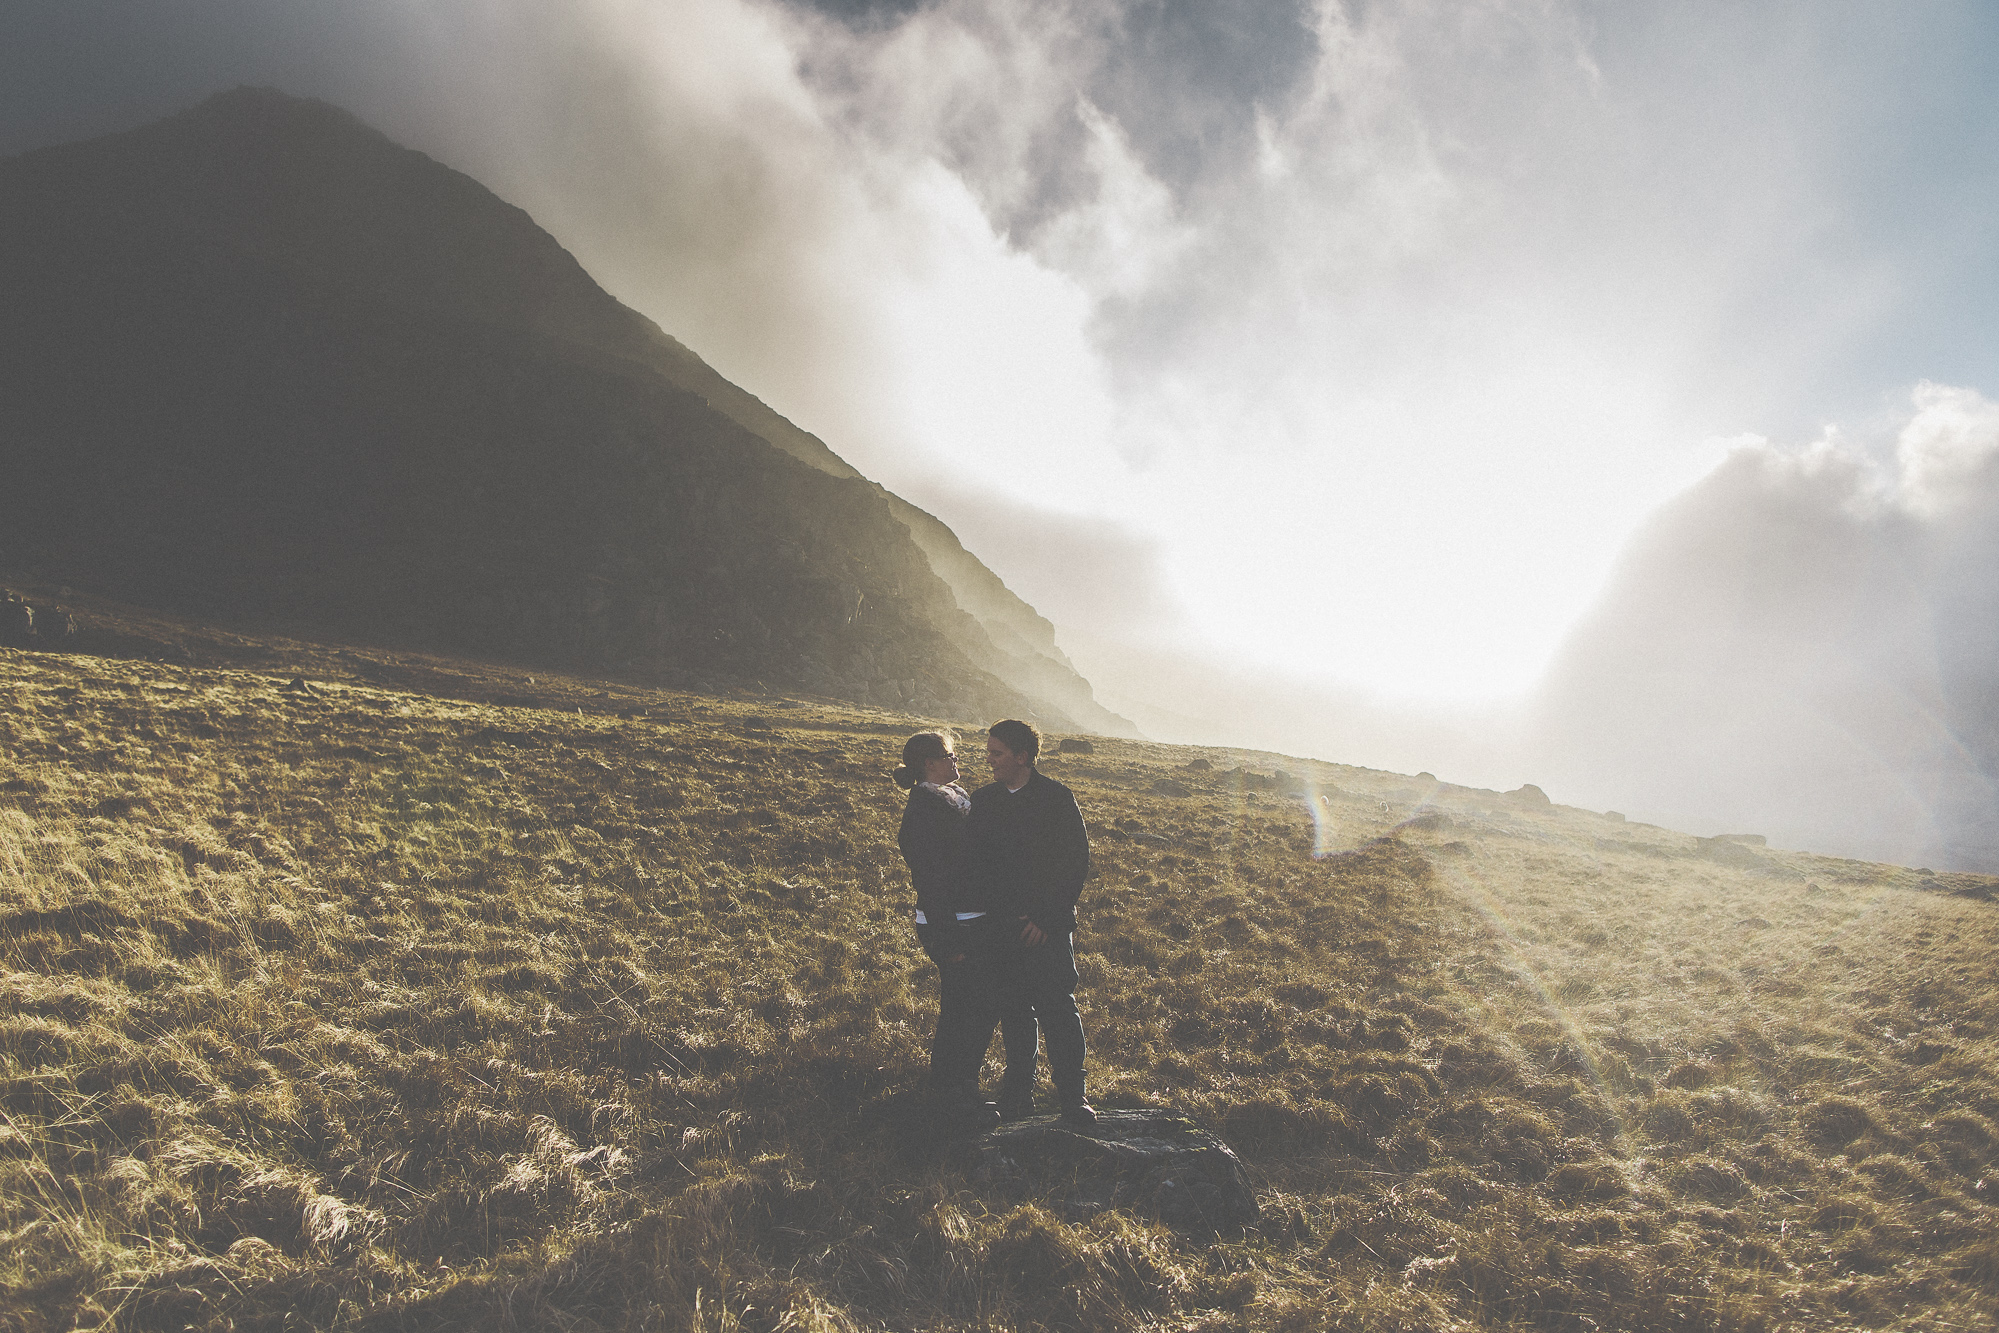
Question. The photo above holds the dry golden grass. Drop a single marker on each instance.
(358, 1008)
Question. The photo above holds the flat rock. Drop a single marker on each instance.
(1152, 1162)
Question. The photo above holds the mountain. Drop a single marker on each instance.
(259, 362)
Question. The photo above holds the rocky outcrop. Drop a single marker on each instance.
(1289, 784)
(25, 625)
(17, 621)
(1152, 1162)
(1732, 851)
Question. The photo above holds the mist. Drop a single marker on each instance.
(1806, 642)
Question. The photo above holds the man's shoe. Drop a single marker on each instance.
(1078, 1113)
(1015, 1106)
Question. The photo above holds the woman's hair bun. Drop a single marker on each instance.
(918, 751)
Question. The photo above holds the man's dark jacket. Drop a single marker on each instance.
(1026, 853)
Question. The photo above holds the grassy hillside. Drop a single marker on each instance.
(353, 1007)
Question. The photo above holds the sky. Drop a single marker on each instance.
(1352, 373)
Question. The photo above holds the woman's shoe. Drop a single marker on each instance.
(979, 1118)
(963, 1111)
(1016, 1099)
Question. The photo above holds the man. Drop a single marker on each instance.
(1026, 856)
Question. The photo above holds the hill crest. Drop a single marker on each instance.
(272, 365)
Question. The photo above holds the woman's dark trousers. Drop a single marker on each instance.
(967, 1006)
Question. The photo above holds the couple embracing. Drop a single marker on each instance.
(997, 875)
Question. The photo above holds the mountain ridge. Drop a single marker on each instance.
(268, 361)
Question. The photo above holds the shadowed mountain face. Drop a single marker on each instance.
(257, 361)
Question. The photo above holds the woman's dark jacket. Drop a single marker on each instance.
(932, 839)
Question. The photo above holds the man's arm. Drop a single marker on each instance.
(1061, 864)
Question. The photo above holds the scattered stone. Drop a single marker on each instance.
(1168, 787)
(1529, 795)
(1153, 1162)
(1426, 777)
(1428, 821)
(1199, 766)
(1075, 745)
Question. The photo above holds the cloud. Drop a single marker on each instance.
(1807, 640)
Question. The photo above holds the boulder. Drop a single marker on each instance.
(1530, 796)
(1199, 766)
(1075, 745)
(1153, 1162)
(54, 627)
(17, 621)
(1168, 787)
(1729, 852)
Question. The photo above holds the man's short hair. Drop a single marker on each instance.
(1017, 736)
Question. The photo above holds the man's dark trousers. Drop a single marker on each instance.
(1042, 978)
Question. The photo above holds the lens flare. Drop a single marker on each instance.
(1320, 808)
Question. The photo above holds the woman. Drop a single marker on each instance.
(931, 840)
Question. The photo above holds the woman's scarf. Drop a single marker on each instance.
(951, 792)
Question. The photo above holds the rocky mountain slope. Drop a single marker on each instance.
(260, 363)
